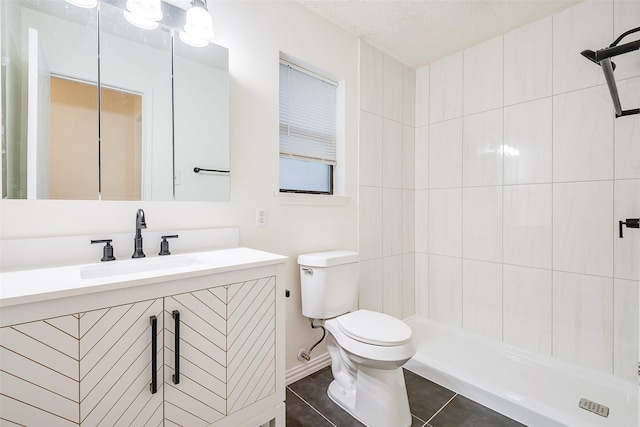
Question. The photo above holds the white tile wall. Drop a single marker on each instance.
(482, 298)
(370, 285)
(445, 89)
(392, 288)
(582, 231)
(391, 153)
(528, 308)
(445, 289)
(392, 100)
(408, 157)
(445, 222)
(370, 149)
(528, 142)
(583, 320)
(625, 328)
(627, 131)
(583, 135)
(520, 173)
(482, 149)
(483, 84)
(527, 238)
(391, 222)
(482, 223)
(445, 154)
(527, 58)
(387, 196)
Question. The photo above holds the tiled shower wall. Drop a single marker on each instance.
(497, 190)
(387, 182)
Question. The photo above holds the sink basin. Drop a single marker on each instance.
(133, 266)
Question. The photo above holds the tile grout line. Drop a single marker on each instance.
(443, 406)
(311, 406)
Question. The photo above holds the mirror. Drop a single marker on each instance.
(150, 127)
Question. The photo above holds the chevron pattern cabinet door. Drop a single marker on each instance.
(115, 366)
(199, 398)
(251, 339)
(39, 373)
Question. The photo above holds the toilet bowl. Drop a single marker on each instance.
(367, 352)
(367, 348)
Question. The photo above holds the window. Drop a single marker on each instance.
(307, 131)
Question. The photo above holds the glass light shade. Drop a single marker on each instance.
(140, 21)
(149, 9)
(199, 23)
(192, 40)
(87, 4)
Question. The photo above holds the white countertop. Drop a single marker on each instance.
(26, 286)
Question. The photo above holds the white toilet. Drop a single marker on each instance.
(367, 349)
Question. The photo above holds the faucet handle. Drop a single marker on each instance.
(107, 251)
(164, 245)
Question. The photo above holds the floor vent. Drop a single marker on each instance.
(594, 407)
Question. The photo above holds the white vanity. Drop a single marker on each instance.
(193, 339)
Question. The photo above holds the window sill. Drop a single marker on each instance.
(311, 199)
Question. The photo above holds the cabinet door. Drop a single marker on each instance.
(39, 376)
(251, 342)
(116, 365)
(198, 397)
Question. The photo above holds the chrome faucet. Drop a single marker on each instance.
(137, 241)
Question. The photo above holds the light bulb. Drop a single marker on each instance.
(87, 4)
(192, 40)
(199, 23)
(140, 21)
(149, 9)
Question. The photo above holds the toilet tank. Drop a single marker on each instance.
(329, 283)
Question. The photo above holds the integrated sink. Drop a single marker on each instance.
(134, 266)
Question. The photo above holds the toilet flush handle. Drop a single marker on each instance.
(307, 270)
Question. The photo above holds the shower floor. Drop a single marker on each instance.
(535, 390)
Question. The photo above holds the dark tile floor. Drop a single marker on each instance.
(431, 406)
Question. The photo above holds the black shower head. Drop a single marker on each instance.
(591, 56)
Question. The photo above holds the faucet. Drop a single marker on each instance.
(137, 241)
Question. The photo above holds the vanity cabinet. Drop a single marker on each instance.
(216, 352)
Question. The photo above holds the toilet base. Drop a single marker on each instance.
(378, 400)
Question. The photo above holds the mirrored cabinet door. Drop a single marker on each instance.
(136, 139)
(50, 100)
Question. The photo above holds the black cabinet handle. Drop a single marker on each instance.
(154, 355)
(176, 345)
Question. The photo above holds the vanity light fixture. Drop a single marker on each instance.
(87, 4)
(198, 28)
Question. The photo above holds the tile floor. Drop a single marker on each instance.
(431, 406)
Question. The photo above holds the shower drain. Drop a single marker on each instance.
(594, 407)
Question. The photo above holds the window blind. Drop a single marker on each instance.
(307, 116)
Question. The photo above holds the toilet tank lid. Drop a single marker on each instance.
(328, 259)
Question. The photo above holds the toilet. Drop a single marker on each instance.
(367, 348)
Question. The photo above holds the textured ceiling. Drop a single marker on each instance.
(419, 32)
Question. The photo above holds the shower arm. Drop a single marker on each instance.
(603, 57)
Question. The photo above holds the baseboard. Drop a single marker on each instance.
(301, 371)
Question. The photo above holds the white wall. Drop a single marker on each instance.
(254, 33)
(528, 175)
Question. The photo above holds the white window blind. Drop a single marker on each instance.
(307, 116)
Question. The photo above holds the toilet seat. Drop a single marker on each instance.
(374, 328)
(389, 352)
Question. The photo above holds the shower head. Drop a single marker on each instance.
(591, 56)
(603, 57)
